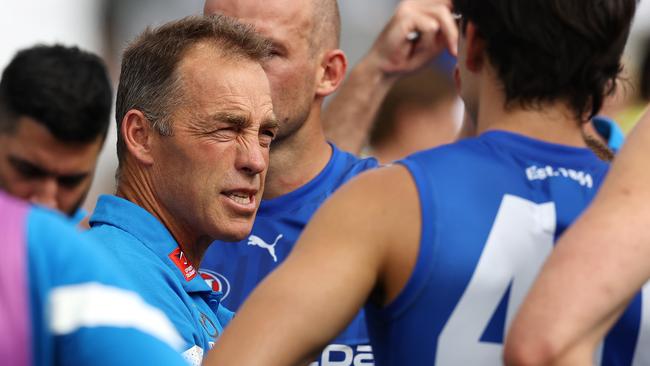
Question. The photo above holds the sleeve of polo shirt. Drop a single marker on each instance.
(90, 309)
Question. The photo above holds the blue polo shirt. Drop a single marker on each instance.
(61, 302)
(151, 257)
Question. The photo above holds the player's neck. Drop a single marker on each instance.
(551, 122)
(136, 186)
(298, 158)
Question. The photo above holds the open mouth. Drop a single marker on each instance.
(240, 197)
(243, 199)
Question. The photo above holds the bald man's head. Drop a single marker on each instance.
(303, 33)
(326, 31)
(324, 16)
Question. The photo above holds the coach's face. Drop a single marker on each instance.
(209, 175)
(37, 167)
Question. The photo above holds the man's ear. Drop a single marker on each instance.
(137, 134)
(333, 67)
(475, 48)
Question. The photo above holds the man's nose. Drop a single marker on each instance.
(45, 193)
(252, 158)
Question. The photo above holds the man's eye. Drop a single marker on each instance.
(269, 133)
(28, 171)
(266, 138)
(276, 52)
(225, 132)
(71, 182)
(229, 131)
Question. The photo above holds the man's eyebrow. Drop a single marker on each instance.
(237, 120)
(271, 122)
(74, 176)
(37, 171)
(27, 167)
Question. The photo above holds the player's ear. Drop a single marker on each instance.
(332, 72)
(475, 48)
(137, 134)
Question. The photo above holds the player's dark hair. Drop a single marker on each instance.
(553, 50)
(63, 88)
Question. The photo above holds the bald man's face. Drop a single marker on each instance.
(292, 70)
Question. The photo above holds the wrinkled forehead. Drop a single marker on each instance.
(267, 16)
(209, 79)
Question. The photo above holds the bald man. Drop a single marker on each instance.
(305, 67)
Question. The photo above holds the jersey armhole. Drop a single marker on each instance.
(425, 258)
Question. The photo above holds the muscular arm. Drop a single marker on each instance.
(327, 278)
(349, 116)
(595, 270)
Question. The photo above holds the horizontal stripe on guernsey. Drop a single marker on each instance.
(97, 305)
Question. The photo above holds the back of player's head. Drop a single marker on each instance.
(148, 79)
(553, 50)
(63, 88)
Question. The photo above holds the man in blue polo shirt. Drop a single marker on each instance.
(61, 302)
(195, 122)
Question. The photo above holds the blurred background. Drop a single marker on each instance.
(105, 26)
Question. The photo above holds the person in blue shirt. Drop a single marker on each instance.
(595, 272)
(442, 247)
(55, 105)
(305, 67)
(195, 123)
(62, 302)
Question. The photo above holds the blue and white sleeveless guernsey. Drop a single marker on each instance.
(492, 208)
(61, 302)
(148, 253)
(236, 268)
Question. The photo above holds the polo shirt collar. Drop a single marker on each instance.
(135, 220)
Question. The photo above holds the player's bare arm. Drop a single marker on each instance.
(335, 262)
(418, 31)
(596, 268)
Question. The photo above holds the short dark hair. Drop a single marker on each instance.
(553, 50)
(64, 88)
(148, 80)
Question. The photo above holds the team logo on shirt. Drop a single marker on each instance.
(183, 264)
(216, 281)
(541, 173)
(255, 240)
